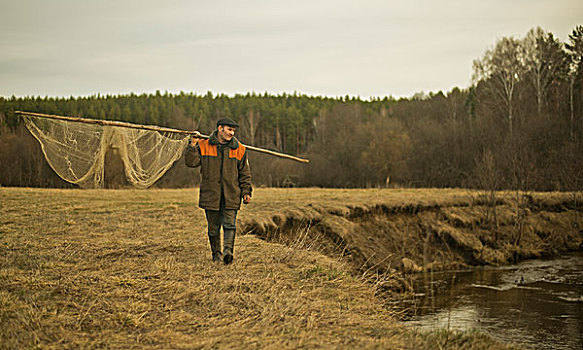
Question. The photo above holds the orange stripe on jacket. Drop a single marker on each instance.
(237, 153)
(206, 149)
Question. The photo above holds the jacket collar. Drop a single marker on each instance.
(214, 140)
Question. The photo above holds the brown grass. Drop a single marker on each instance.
(131, 269)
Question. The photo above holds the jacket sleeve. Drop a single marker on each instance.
(192, 155)
(245, 176)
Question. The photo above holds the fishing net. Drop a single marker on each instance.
(76, 151)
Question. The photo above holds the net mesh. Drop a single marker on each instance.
(76, 151)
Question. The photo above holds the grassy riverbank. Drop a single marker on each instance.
(131, 268)
(419, 229)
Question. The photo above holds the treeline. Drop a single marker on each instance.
(520, 125)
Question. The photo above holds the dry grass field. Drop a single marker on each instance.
(131, 269)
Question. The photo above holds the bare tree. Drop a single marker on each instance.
(575, 50)
(487, 178)
(250, 124)
(501, 69)
(545, 60)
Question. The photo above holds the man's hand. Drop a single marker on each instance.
(193, 140)
(246, 199)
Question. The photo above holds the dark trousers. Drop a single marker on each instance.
(227, 219)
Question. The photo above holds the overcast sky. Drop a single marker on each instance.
(330, 48)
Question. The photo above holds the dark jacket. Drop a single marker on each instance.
(229, 174)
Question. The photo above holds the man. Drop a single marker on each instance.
(226, 179)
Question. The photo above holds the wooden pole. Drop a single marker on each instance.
(111, 123)
(151, 127)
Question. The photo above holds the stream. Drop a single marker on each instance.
(536, 303)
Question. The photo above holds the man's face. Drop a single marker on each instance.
(225, 133)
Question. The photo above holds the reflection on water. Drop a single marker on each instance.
(537, 303)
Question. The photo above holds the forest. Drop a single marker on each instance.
(518, 126)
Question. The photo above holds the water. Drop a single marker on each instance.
(537, 303)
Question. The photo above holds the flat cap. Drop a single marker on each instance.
(228, 122)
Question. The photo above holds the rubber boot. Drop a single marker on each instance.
(228, 245)
(215, 241)
(213, 218)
